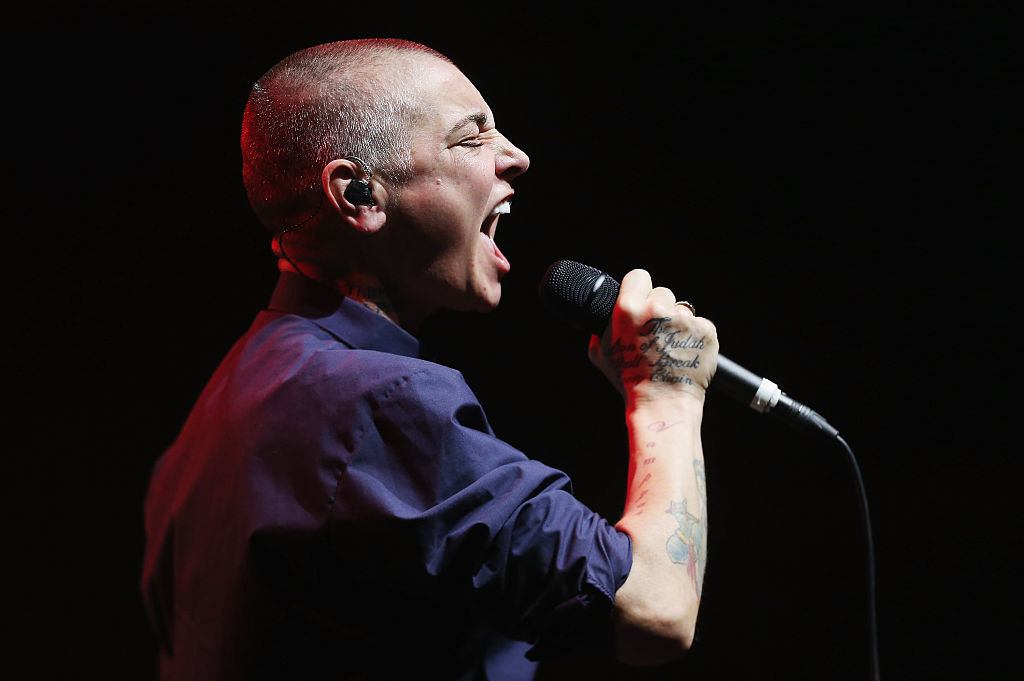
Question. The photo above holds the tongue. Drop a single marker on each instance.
(499, 257)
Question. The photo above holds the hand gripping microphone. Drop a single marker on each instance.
(584, 297)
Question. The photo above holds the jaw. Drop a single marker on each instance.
(432, 275)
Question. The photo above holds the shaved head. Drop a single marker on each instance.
(351, 98)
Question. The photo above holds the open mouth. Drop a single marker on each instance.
(489, 229)
(490, 225)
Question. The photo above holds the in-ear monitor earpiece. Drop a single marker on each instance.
(358, 190)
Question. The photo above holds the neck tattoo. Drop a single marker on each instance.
(371, 297)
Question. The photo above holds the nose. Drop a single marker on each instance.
(510, 161)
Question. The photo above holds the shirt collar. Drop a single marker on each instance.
(342, 317)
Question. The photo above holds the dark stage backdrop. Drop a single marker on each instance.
(841, 175)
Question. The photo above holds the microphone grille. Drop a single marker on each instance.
(580, 295)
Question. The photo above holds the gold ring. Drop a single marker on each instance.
(688, 305)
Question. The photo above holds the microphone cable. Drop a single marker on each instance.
(870, 562)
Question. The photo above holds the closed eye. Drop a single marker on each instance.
(484, 137)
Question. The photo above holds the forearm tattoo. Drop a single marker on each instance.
(663, 350)
(688, 544)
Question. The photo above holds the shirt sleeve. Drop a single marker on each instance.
(462, 518)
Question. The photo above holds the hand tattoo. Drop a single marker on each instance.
(660, 352)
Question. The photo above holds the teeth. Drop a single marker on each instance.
(502, 208)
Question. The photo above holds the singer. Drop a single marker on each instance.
(336, 507)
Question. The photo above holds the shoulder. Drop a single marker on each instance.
(296, 359)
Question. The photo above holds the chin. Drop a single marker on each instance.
(488, 298)
(488, 304)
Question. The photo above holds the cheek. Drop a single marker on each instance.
(448, 206)
(459, 203)
(473, 173)
(438, 228)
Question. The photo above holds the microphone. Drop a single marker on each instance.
(584, 297)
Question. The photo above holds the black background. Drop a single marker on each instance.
(830, 186)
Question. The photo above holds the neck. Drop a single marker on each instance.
(363, 289)
(370, 294)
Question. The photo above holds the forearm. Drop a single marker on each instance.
(661, 358)
(666, 518)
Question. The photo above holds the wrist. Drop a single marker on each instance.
(676, 400)
(666, 407)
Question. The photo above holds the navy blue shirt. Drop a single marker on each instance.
(335, 507)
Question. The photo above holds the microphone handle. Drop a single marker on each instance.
(763, 396)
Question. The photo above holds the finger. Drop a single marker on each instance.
(661, 298)
(634, 289)
(688, 306)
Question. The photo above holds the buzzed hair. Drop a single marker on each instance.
(320, 104)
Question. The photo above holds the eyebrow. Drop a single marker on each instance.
(480, 118)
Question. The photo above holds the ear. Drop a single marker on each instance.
(336, 177)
